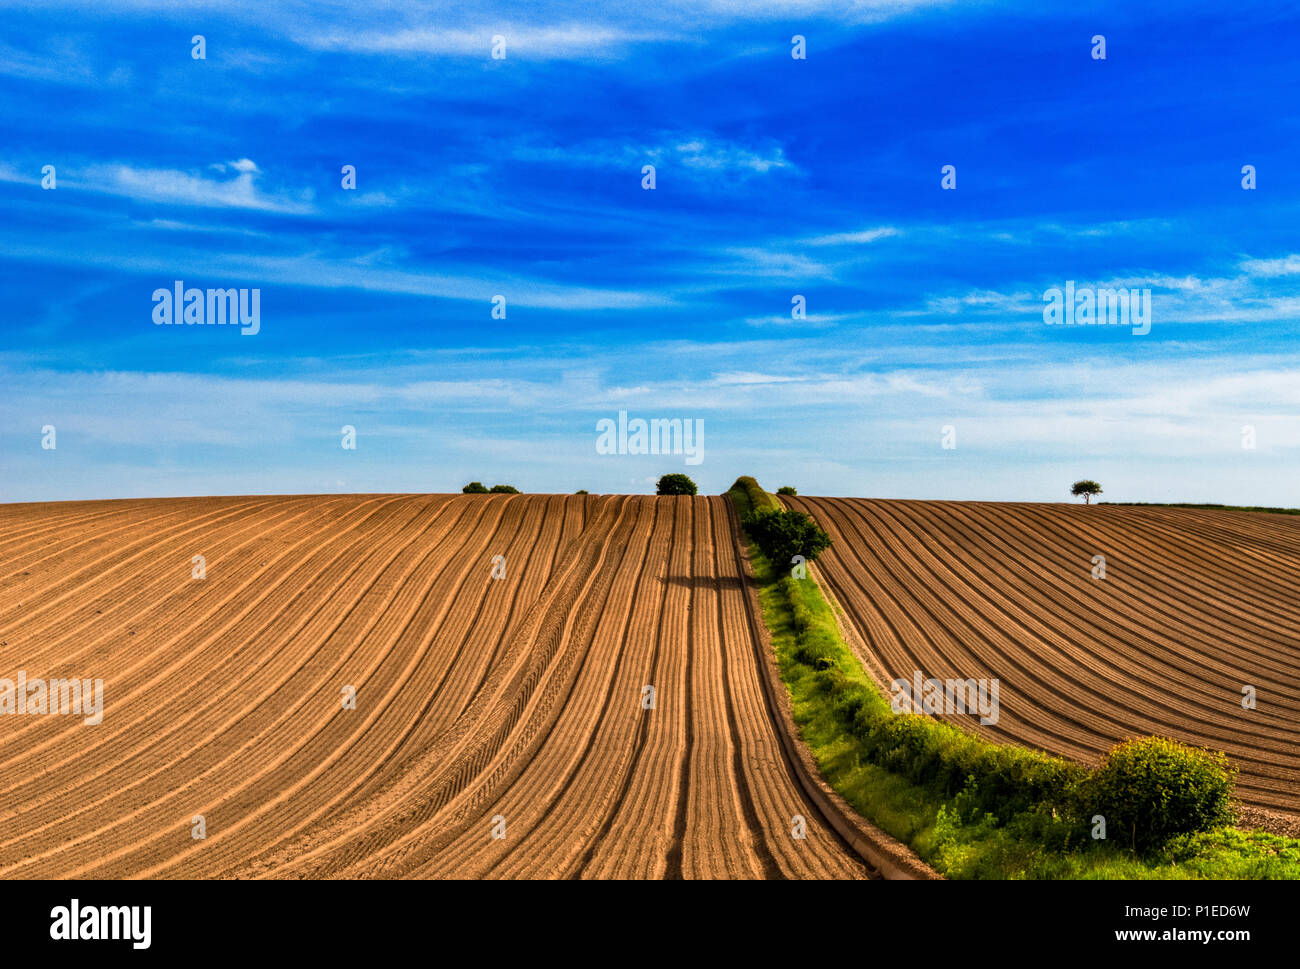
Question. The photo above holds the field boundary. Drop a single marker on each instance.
(894, 859)
(965, 807)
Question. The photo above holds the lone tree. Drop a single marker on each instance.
(474, 488)
(676, 484)
(786, 490)
(504, 490)
(1087, 489)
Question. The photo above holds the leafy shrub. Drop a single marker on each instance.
(781, 535)
(474, 488)
(581, 491)
(1153, 789)
(676, 484)
(504, 490)
(747, 495)
(786, 490)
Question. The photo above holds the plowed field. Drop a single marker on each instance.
(1195, 605)
(511, 706)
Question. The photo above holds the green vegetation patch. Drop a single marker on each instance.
(676, 484)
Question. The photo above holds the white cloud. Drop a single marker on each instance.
(696, 152)
(10, 174)
(181, 188)
(814, 321)
(980, 302)
(766, 263)
(530, 42)
(311, 270)
(1286, 266)
(702, 154)
(853, 238)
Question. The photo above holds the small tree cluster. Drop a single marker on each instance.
(781, 535)
(476, 488)
(676, 484)
(786, 490)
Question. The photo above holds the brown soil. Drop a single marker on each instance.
(476, 698)
(1196, 604)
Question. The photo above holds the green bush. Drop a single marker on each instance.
(474, 488)
(676, 484)
(747, 495)
(786, 490)
(781, 535)
(1153, 789)
(504, 490)
(581, 491)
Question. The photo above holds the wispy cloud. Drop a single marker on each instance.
(863, 237)
(696, 151)
(174, 187)
(700, 153)
(570, 41)
(1285, 266)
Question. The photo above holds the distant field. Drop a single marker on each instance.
(1195, 605)
(477, 697)
(1183, 504)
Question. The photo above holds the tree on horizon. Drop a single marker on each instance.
(1087, 488)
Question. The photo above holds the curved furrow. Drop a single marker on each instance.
(1160, 670)
(1180, 578)
(1146, 692)
(1065, 681)
(345, 769)
(758, 751)
(552, 807)
(475, 696)
(1111, 606)
(508, 736)
(517, 685)
(82, 636)
(633, 834)
(42, 601)
(56, 743)
(23, 525)
(246, 706)
(360, 647)
(100, 584)
(180, 677)
(478, 619)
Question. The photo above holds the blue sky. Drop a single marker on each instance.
(775, 177)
